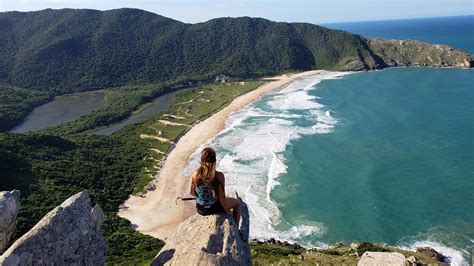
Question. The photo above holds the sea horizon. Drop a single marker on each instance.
(394, 19)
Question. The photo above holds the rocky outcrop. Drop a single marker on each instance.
(431, 253)
(223, 79)
(382, 258)
(9, 207)
(415, 53)
(276, 242)
(67, 235)
(208, 240)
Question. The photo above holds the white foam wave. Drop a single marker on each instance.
(277, 168)
(251, 152)
(324, 117)
(299, 231)
(295, 100)
(455, 257)
(236, 118)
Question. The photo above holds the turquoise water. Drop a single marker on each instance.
(383, 156)
(398, 166)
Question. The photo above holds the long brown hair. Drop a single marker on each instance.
(207, 170)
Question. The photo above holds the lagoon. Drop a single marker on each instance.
(158, 105)
(62, 109)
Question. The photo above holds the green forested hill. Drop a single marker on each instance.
(70, 50)
(53, 52)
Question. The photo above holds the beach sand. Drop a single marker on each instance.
(156, 213)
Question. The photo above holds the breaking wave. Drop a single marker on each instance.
(250, 152)
(454, 241)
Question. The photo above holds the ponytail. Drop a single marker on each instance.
(207, 170)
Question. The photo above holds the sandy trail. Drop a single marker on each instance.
(156, 213)
(166, 122)
(145, 136)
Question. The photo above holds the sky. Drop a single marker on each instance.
(313, 11)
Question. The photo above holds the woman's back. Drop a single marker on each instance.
(205, 193)
(208, 185)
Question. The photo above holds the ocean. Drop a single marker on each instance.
(380, 156)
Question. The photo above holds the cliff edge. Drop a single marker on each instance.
(208, 240)
(67, 235)
(9, 208)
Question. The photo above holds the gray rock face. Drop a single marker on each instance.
(9, 207)
(382, 258)
(431, 253)
(67, 235)
(416, 53)
(208, 240)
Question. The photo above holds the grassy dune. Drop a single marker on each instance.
(189, 107)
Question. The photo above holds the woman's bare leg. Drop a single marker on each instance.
(234, 204)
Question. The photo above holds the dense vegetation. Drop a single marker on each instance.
(16, 103)
(48, 168)
(53, 52)
(71, 50)
(338, 254)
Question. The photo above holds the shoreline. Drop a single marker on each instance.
(169, 216)
(155, 213)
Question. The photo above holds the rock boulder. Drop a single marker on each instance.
(382, 258)
(67, 235)
(431, 253)
(208, 240)
(9, 207)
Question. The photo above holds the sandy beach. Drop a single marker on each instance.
(156, 213)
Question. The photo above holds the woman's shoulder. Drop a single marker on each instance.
(195, 172)
(220, 176)
(195, 175)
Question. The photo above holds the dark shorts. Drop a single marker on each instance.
(216, 207)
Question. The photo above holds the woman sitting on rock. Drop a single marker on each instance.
(208, 185)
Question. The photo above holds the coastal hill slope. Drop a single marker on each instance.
(53, 52)
(87, 49)
(79, 49)
(73, 49)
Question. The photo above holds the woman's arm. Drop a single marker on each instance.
(221, 190)
(192, 189)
